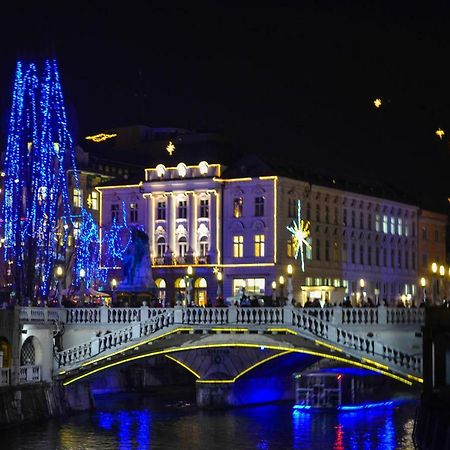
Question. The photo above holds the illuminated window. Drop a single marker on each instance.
(203, 167)
(400, 226)
(204, 208)
(161, 210)
(385, 224)
(94, 200)
(182, 170)
(238, 246)
(259, 206)
(406, 227)
(252, 286)
(133, 212)
(114, 211)
(77, 197)
(309, 248)
(182, 209)
(161, 247)
(237, 207)
(160, 170)
(377, 222)
(259, 245)
(203, 246)
(289, 249)
(182, 246)
(392, 225)
(76, 229)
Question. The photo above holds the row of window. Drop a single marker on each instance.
(92, 200)
(238, 207)
(134, 212)
(182, 246)
(161, 209)
(380, 257)
(425, 234)
(258, 242)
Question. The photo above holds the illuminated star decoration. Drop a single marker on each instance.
(377, 102)
(170, 148)
(440, 133)
(300, 233)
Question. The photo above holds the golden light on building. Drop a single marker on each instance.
(434, 267)
(440, 133)
(100, 137)
(423, 282)
(441, 271)
(377, 102)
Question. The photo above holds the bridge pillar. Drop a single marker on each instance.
(215, 395)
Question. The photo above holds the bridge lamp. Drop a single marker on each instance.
(434, 269)
(441, 271)
(290, 288)
(219, 276)
(362, 283)
(290, 270)
(190, 272)
(113, 283)
(274, 291)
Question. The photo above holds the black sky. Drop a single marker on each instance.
(295, 79)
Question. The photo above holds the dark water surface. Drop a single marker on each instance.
(139, 422)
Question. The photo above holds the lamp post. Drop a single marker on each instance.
(362, 283)
(376, 291)
(434, 269)
(281, 283)
(219, 284)
(423, 285)
(190, 272)
(59, 274)
(290, 289)
(274, 292)
(440, 288)
(82, 286)
(114, 293)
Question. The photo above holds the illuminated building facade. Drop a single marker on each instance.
(236, 223)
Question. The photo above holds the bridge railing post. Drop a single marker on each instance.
(95, 347)
(232, 314)
(103, 314)
(336, 318)
(178, 314)
(382, 315)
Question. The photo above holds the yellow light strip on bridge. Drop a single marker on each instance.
(330, 346)
(183, 365)
(282, 330)
(242, 330)
(412, 377)
(380, 366)
(269, 347)
(87, 363)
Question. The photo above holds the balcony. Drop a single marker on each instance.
(29, 374)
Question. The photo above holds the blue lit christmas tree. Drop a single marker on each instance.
(36, 208)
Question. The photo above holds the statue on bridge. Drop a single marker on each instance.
(136, 267)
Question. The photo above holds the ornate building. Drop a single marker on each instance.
(238, 222)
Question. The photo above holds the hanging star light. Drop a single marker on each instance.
(300, 233)
(440, 133)
(377, 102)
(170, 148)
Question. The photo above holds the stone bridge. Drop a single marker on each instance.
(217, 345)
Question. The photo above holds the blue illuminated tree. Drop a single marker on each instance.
(36, 207)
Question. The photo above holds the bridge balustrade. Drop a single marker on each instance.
(29, 374)
(259, 316)
(42, 315)
(205, 316)
(83, 315)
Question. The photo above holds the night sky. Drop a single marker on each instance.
(296, 80)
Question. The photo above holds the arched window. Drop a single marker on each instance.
(160, 170)
(182, 246)
(160, 288)
(182, 170)
(161, 247)
(180, 291)
(201, 286)
(5, 348)
(28, 353)
(203, 167)
(203, 246)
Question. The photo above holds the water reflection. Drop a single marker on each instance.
(366, 429)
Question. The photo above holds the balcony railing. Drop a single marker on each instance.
(4, 377)
(29, 374)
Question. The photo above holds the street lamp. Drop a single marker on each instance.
(441, 282)
(434, 269)
(219, 284)
(274, 292)
(281, 283)
(114, 294)
(290, 288)
(59, 274)
(423, 285)
(362, 283)
(82, 286)
(190, 272)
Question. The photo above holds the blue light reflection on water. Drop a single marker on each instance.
(132, 427)
(355, 430)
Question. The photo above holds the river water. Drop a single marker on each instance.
(132, 421)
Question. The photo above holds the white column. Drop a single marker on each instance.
(213, 227)
(151, 224)
(170, 221)
(192, 215)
